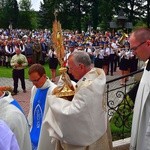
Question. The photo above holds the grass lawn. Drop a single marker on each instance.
(7, 72)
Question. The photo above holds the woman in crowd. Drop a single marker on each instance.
(124, 63)
(53, 63)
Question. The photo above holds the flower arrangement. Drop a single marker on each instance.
(6, 88)
(19, 61)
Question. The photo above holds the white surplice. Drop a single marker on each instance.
(16, 121)
(78, 123)
(47, 84)
(140, 134)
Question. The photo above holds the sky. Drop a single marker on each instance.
(35, 4)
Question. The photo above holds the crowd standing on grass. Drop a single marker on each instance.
(106, 50)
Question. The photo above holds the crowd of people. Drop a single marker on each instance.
(81, 123)
(106, 51)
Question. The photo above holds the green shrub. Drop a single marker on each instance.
(121, 121)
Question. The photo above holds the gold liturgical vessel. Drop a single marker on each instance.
(65, 89)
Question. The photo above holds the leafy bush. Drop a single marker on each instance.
(121, 121)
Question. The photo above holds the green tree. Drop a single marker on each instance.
(73, 14)
(105, 12)
(25, 15)
(46, 13)
(25, 5)
(10, 13)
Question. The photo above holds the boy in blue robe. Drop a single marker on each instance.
(42, 87)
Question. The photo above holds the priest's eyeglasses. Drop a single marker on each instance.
(37, 80)
(136, 47)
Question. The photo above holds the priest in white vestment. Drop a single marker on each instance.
(7, 138)
(79, 124)
(13, 115)
(140, 134)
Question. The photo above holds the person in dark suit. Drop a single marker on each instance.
(18, 63)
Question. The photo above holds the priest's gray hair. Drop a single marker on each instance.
(81, 57)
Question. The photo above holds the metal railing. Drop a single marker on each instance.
(120, 105)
